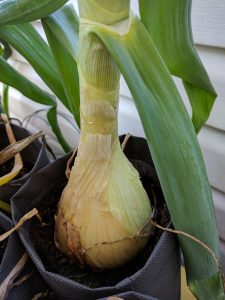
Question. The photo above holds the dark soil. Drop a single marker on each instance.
(43, 236)
(2, 246)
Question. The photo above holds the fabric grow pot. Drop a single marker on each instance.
(131, 296)
(13, 251)
(34, 158)
(159, 278)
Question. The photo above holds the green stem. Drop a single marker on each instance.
(5, 207)
(99, 75)
(5, 99)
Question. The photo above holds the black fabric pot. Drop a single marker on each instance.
(34, 158)
(13, 252)
(131, 296)
(158, 279)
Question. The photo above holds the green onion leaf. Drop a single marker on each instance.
(28, 42)
(13, 78)
(61, 29)
(53, 121)
(175, 150)
(23, 11)
(169, 24)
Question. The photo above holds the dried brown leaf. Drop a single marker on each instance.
(10, 151)
(41, 295)
(18, 163)
(7, 284)
(26, 217)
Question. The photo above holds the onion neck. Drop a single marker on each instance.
(99, 88)
(98, 73)
(106, 12)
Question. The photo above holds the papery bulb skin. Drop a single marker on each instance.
(102, 207)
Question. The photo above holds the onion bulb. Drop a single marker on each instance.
(104, 205)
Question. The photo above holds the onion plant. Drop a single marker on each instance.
(104, 201)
